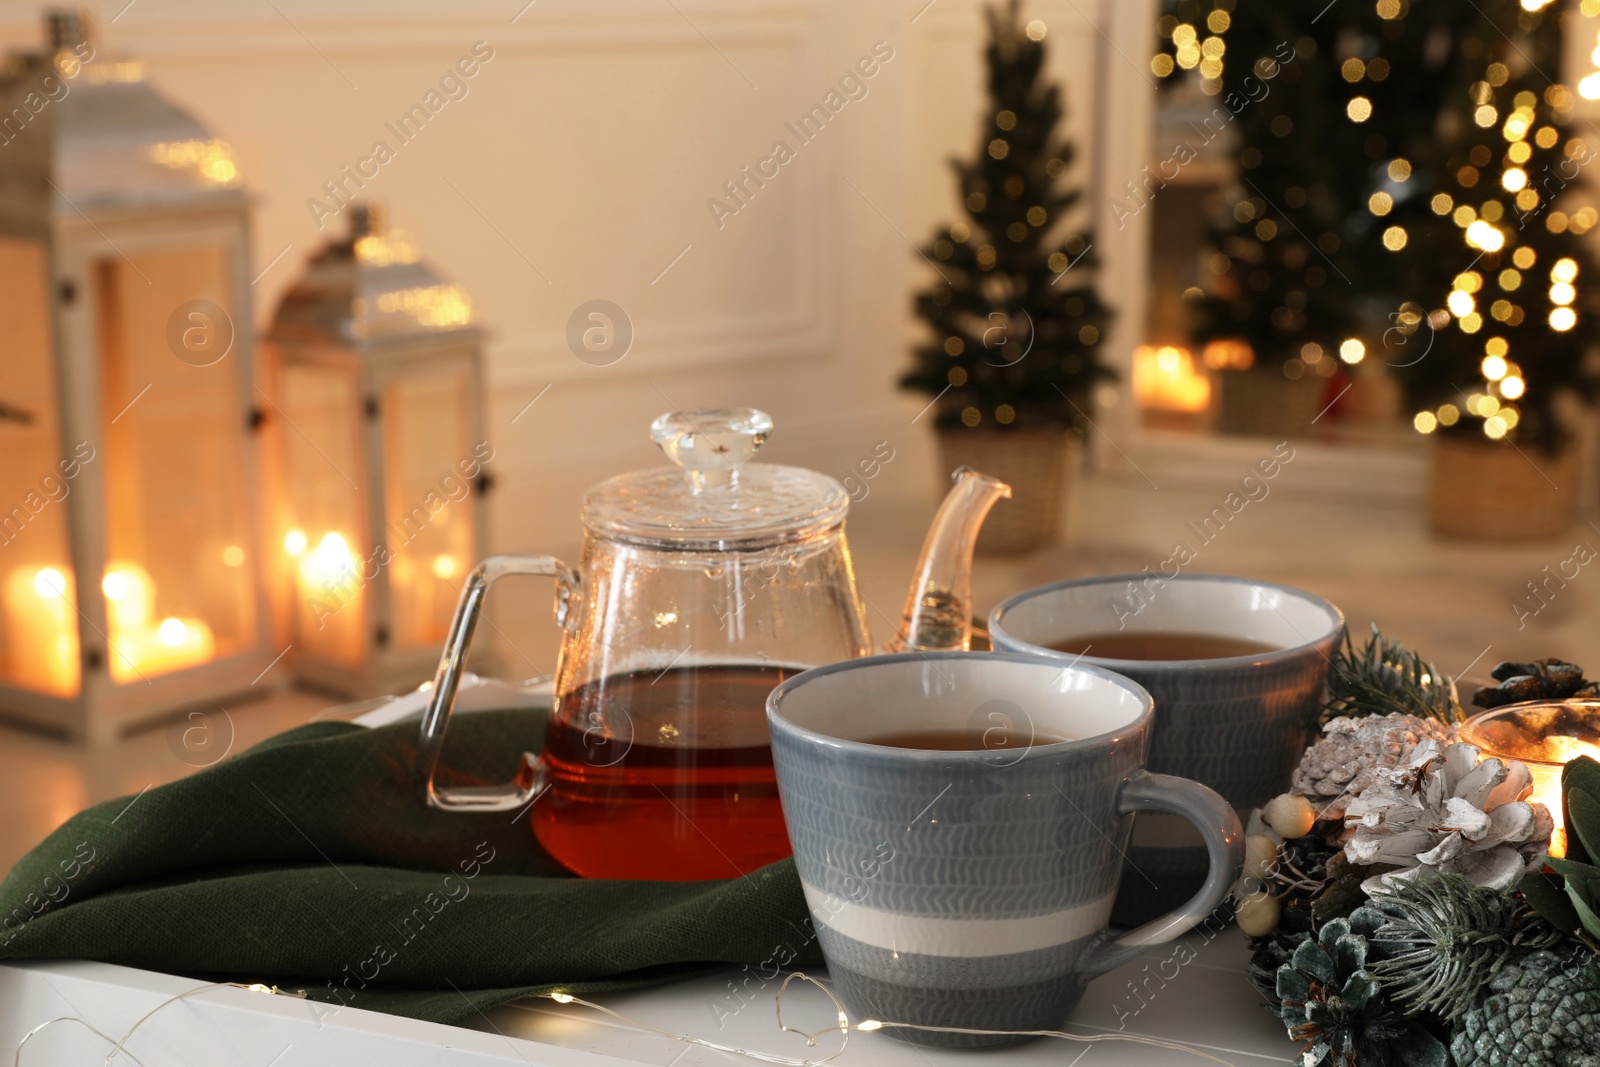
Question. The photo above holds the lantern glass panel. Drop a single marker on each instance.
(322, 442)
(178, 590)
(39, 624)
(428, 510)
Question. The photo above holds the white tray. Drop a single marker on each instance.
(1206, 1003)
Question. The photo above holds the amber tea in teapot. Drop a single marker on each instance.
(632, 785)
(702, 586)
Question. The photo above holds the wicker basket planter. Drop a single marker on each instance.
(1494, 492)
(1261, 402)
(1037, 464)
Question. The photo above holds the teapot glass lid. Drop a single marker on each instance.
(714, 497)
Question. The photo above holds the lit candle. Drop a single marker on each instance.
(141, 647)
(329, 584)
(1168, 379)
(41, 629)
(1544, 736)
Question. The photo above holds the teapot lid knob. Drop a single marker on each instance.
(711, 444)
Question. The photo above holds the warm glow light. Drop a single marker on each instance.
(294, 542)
(130, 598)
(1359, 109)
(1563, 319)
(1494, 427)
(1229, 353)
(869, 1025)
(171, 632)
(561, 998)
(1460, 303)
(211, 160)
(1538, 739)
(1167, 379)
(1514, 179)
(1562, 293)
(233, 556)
(433, 305)
(1564, 270)
(1482, 235)
(50, 582)
(1589, 87)
(331, 560)
(444, 566)
(42, 630)
(1352, 350)
(1449, 415)
(1494, 368)
(1512, 387)
(387, 249)
(1425, 422)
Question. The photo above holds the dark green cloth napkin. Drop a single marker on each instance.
(311, 862)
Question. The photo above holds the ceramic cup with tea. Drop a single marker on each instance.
(958, 822)
(1237, 670)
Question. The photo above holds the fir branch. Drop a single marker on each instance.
(1385, 678)
(1442, 939)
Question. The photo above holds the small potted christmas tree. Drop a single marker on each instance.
(1015, 321)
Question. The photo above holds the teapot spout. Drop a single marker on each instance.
(938, 615)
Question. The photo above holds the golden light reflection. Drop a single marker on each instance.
(212, 160)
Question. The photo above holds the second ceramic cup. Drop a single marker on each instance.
(1237, 723)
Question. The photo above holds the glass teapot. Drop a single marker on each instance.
(701, 586)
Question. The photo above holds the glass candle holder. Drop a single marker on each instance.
(1544, 735)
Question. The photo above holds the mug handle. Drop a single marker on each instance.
(1218, 824)
(529, 781)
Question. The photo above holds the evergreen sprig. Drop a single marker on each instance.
(1385, 678)
(1442, 939)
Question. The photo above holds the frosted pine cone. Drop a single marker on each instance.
(1352, 750)
(1448, 810)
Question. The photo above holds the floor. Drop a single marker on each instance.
(1464, 606)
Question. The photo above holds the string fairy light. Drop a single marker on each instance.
(844, 1027)
(119, 1045)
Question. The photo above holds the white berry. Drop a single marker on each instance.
(1260, 857)
(1258, 915)
(1290, 816)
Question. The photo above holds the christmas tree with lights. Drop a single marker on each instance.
(1504, 218)
(1405, 194)
(1015, 321)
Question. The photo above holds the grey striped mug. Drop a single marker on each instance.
(967, 881)
(1237, 723)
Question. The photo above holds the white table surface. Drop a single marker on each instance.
(1206, 1003)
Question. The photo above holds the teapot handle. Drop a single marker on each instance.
(529, 781)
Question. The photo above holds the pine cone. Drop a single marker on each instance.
(1447, 810)
(1542, 1012)
(1352, 750)
(1543, 679)
(1329, 1001)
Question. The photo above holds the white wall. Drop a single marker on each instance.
(579, 166)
